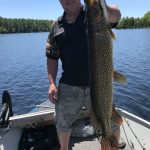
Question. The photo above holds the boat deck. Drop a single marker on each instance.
(140, 128)
(92, 143)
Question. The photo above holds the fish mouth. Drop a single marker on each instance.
(93, 4)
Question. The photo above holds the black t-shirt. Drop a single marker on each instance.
(69, 43)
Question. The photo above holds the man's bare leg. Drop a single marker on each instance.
(117, 134)
(121, 142)
(63, 139)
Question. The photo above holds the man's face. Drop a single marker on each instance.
(70, 5)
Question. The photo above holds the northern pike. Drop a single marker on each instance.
(100, 44)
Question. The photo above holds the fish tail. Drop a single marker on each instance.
(116, 117)
(108, 143)
(112, 34)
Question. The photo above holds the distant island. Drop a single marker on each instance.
(8, 25)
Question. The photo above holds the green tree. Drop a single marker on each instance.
(131, 22)
(20, 25)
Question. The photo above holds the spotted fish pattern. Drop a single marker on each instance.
(100, 44)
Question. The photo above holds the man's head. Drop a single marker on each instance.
(70, 5)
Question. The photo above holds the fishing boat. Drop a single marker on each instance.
(135, 131)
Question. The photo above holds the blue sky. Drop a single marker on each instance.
(51, 9)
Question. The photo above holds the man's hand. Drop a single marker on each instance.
(114, 13)
(52, 93)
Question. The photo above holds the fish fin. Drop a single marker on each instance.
(110, 142)
(119, 78)
(112, 33)
(116, 117)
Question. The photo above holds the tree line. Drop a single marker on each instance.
(130, 23)
(8, 25)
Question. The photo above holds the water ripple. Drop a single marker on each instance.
(23, 70)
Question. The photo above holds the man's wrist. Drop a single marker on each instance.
(51, 82)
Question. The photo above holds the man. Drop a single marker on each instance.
(67, 40)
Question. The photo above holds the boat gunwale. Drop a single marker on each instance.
(134, 118)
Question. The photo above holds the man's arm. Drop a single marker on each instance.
(52, 67)
(52, 53)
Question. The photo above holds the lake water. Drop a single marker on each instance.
(23, 70)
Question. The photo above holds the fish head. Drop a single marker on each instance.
(94, 9)
(93, 5)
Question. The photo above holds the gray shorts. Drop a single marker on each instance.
(71, 100)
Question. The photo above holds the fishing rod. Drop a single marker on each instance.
(132, 147)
